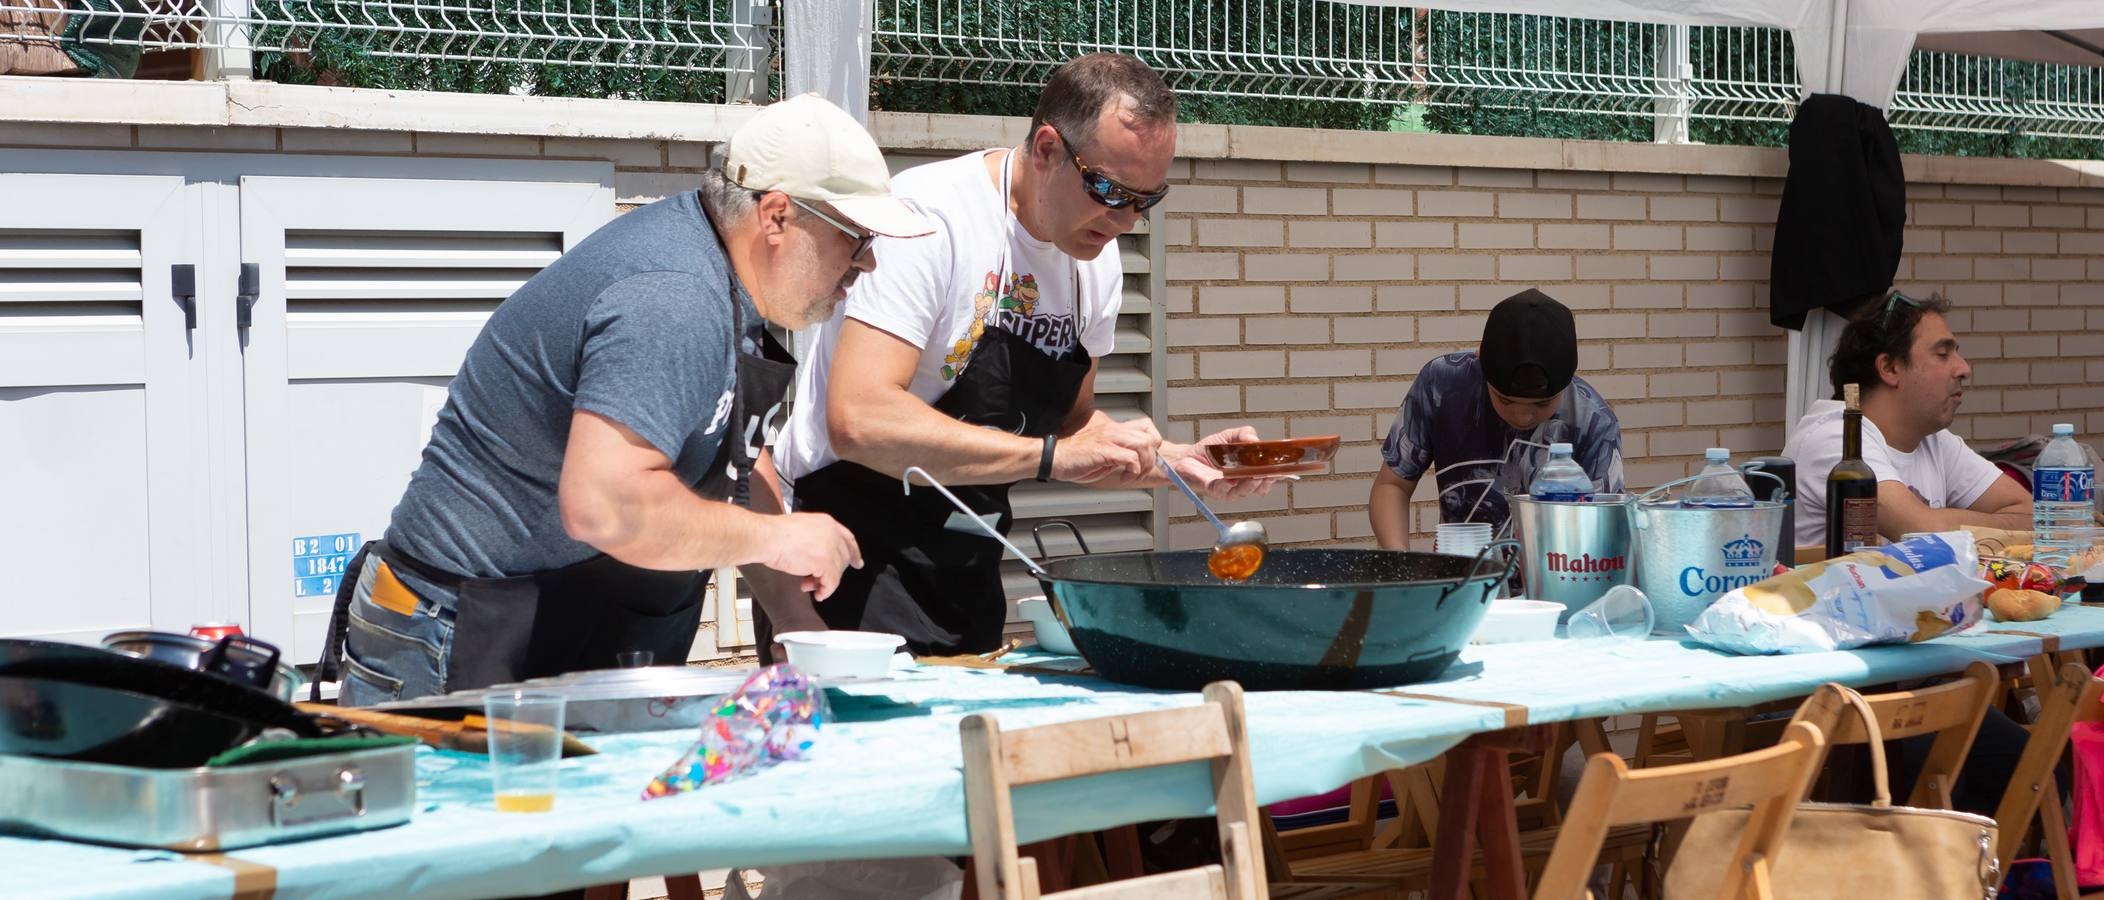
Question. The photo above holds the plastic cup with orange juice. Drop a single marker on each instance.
(525, 748)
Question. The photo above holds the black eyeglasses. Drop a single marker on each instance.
(862, 238)
(1106, 190)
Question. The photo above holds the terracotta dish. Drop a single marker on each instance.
(1290, 456)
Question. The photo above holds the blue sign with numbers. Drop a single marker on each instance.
(319, 561)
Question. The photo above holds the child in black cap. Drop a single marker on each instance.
(1466, 412)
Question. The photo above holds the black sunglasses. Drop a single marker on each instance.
(1106, 190)
(1893, 302)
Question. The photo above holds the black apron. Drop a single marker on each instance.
(932, 581)
(937, 586)
(580, 616)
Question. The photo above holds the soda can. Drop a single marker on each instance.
(213, 631)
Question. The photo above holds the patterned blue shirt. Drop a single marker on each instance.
(1446, 422)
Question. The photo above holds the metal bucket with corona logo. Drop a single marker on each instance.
(1688, 557)
(1573, 552)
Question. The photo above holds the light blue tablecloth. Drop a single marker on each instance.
(885, 780)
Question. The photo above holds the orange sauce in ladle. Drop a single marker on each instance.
(1234, 562)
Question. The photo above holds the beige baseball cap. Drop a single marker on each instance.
(812, 150)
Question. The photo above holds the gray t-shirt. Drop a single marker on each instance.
(634, 324)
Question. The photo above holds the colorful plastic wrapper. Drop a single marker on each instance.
(775, 715)
(2020, 575)
(1909, 591)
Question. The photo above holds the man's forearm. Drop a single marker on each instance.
(895, 430)
(659, 523)
(1388, 509)
(787, 605)
(1952, 519)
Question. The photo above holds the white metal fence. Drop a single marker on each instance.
(490, 45)
(1951, 92)
(1308, 50)
(1299, 51)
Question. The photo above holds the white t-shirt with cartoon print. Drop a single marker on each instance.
(940, 292)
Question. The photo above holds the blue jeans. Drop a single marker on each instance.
(391, 656)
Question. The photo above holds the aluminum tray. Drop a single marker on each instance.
(611, 701)
(208, 809)
(658, 698)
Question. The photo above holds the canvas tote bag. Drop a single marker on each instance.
(1846, 851)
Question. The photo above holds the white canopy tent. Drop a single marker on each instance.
(1858, 48)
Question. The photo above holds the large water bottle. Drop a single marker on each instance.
(1561, 479)
(2061, 482)
(1718, 486)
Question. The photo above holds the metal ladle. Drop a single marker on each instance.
(1245, 533)
(906, 479)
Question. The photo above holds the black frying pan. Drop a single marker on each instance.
(88, 723)
(95, 667)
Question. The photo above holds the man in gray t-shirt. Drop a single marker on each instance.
(572, 499)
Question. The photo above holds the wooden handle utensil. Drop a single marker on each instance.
(470, 735)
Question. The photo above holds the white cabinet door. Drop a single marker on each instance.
(101, 443)
(369, 292)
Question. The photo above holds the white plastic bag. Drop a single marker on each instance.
(1910, 591)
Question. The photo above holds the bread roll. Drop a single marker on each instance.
(2021, 606)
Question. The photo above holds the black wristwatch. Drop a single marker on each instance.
(1044, 463)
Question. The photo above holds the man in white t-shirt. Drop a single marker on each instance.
(973, 356)
(1906, 360)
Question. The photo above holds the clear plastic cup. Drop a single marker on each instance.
(634, 659)
(525, 748)
(1461, 538)
(1623, 612)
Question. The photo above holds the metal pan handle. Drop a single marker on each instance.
(907, 480)
(1475, 568)
(1037, 533)
(1754, 468)
(243, 659)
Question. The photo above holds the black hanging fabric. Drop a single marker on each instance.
(1837, 235)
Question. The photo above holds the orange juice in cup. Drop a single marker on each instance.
(525, 748)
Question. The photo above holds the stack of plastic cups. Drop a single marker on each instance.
(1461, 538)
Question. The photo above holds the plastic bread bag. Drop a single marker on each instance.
(1913, 590)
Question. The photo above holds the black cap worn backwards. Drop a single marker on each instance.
(1530, 346)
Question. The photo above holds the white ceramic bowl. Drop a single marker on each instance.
(1050, 634)
(1514, 620)
(841, 654)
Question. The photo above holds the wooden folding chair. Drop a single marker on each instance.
(1402, 854)
(996, 762)
(2033, 794)
(1770, 780)
(1950, 711)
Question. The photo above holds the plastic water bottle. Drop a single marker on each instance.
(2061, 484)
(1718, 486)
(1561, 479)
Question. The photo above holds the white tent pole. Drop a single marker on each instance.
(1811, 345)
(826, 48)
(1669, 116)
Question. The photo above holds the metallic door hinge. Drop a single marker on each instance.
(245, 291)
(182, 283)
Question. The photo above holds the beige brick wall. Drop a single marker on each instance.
(1350, 276)
(1305, 295)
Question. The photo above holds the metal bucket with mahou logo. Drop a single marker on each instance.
(1574, 552)
(1687, 558)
